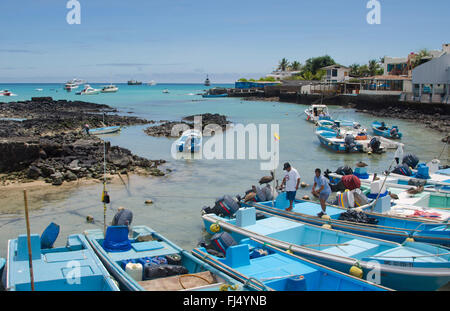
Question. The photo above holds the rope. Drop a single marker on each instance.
(436, 255)
(193, 275)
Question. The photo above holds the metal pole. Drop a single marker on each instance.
(30, 257)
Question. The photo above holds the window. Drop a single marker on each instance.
(334, 74)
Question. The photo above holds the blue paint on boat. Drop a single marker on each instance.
(147, 253)
(406, 266)
(331, 139)
(104, 130)
(272, 268)
(391, 228)
(214, 95)
(71, 268)
(380, 130)
(49, 236)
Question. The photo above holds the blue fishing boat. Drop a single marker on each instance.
(406, 266)
(380, 129)
(344, 141)
(149, 262)
(386, 227)
(315, 113)
(105, 130)
(214, 95)
(74, 267)
(270, 268)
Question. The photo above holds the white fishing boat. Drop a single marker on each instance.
(110, 89)
(315, 113)
(190, 141)
(166, 91)
(88, 90)
(151, 83)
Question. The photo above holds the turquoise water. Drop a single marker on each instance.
(179, 196)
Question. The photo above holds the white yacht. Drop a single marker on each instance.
(166, 91)
(110, 89)
(151, 83)
(88, 90)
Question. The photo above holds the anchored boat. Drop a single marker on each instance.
(315, 113)
(74, 267)
(271, 268)
(149, 262)
(406, 266)
(110, 89)
(190, 141)
(105, 130)
(380, 129)
(88, 90)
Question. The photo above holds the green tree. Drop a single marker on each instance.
(315, 63)
(355, 70)
(283, 65)
(421, 57)
(242, 80)
(295, 66)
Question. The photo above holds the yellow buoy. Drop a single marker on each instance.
(326, 226)
(356, 271)
(370, 152)
(289, 252)
(326, 217)
(409, 240)
(214, 228)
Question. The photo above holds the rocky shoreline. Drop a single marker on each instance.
(165, 129)
(43, 139)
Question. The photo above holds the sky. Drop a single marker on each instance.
(179, 41)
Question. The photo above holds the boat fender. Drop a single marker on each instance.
(356, 270)
(409, 240)
(326, 217)
(214, 228)
(327, 226)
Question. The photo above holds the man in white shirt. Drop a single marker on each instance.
(292, 181)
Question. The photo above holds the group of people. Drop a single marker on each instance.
(291, 181)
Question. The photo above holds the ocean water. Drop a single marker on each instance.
(193, 183)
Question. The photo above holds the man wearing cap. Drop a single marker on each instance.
(323, 191)
(123, 217)
(292, 181)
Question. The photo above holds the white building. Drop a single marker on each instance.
(431, 80)
(336, 73)
(281, 75)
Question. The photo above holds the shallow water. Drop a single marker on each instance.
(179, 196)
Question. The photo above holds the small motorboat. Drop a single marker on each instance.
(104, 130)
(110, 89)
(271, 268)
(39, 90)
(74, 267)
(149, 262)
(166, 91)
(315, 113)
(190, 141)
(349, 141)
(151, 83)
(7, 93)
(380, 129)
(88, 90)
(214, 95)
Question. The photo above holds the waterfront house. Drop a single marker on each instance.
(281, 75)
(385, 85)
(336, 73)
(431, 80)
(254, 84)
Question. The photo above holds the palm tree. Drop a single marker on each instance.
(374, 67)
(421, 57)
(355, 70)
(284, 63)
(295, 66)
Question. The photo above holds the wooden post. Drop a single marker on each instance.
(30, 257)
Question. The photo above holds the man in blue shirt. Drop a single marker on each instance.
(323, 191)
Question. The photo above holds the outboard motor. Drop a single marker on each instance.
(375, 145)
(225, 206)
(402, 169)
(349, 142)
(411, 160)
(344, 170)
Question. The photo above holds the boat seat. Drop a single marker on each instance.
(116, 239)
(179, 282)
(351, 248)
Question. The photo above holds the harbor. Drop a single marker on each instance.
(221, 157)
